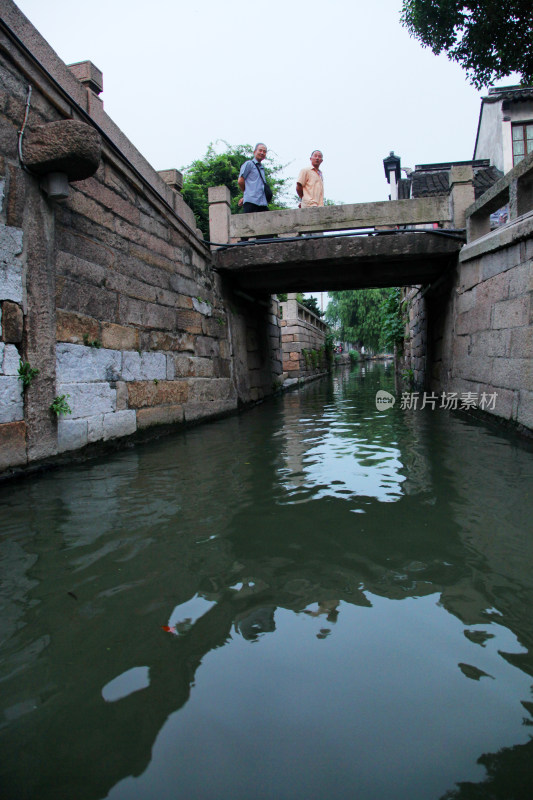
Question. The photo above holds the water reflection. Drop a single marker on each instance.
(315, 595)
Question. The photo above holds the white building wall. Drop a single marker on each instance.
(490, 136)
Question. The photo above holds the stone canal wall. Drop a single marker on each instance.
(106, 287)
(303, 337)
(474, 330)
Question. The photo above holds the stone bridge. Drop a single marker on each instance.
(388, 243)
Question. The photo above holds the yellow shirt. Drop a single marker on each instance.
(313, 186)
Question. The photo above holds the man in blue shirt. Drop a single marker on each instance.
(252, 181)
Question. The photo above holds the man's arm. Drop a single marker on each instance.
(241, 183)
(299, 190)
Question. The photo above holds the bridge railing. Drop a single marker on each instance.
(515, 190)
(448, 211)
(225, 227)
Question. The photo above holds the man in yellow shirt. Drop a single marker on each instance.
(310, 183)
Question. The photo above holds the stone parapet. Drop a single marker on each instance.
(303, 340)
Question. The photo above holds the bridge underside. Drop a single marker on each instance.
(322, 263)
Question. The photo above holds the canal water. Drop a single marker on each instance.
(316, 599)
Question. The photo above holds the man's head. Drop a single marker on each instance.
(260, 151)
(316, 159)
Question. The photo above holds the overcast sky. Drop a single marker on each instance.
(342, 76)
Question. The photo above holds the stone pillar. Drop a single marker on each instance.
(461, 193)
(40, 334)
(173, 178)
(93, 80)
(219, 214)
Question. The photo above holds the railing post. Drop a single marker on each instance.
(219, 214)
(461, 194)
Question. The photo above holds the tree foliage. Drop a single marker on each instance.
(490, 39)
(359, 316)
(222, 169)
(310, 303)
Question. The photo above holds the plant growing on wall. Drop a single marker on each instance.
(60, 406)
(393, 310)
(91, 342)
(26, 373)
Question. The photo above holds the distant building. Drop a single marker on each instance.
(429, 180)
(505, 127)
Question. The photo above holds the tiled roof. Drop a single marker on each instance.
(484, 179)
(404, 189)
(509, 93)
(431, 182)
(427, 184)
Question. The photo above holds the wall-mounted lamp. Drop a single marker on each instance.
(55, 186)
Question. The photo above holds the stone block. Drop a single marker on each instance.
(109, 199)
(10, 267)
(121, 389)
(172, 341)
(478, 318)
(79, 364)
(525, 409)
(466, 301)
(201, 306)
(12, 444)
(92, 301)
(72, 434)
(474, 368)
(143, 366)
(72, 327)
(88, 399)
(207, 347)
(521, 280)
(513, 373)
(147, 393)
(206, 410)
(160, 415)
(505, 400)
(9, 360)
(201, 367)
(11, 399)
(12, 322)
(500, 261)
(189, 321)
(182, 366)
(131, 287)
(119, 337)
(146, 315)
(511, 313)
(95, 428)
(221, 368)
(210, 389)
(171, 368)
(491, 343)
(216, 327)
(291, 365)
(120, 423)
(522, 342)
